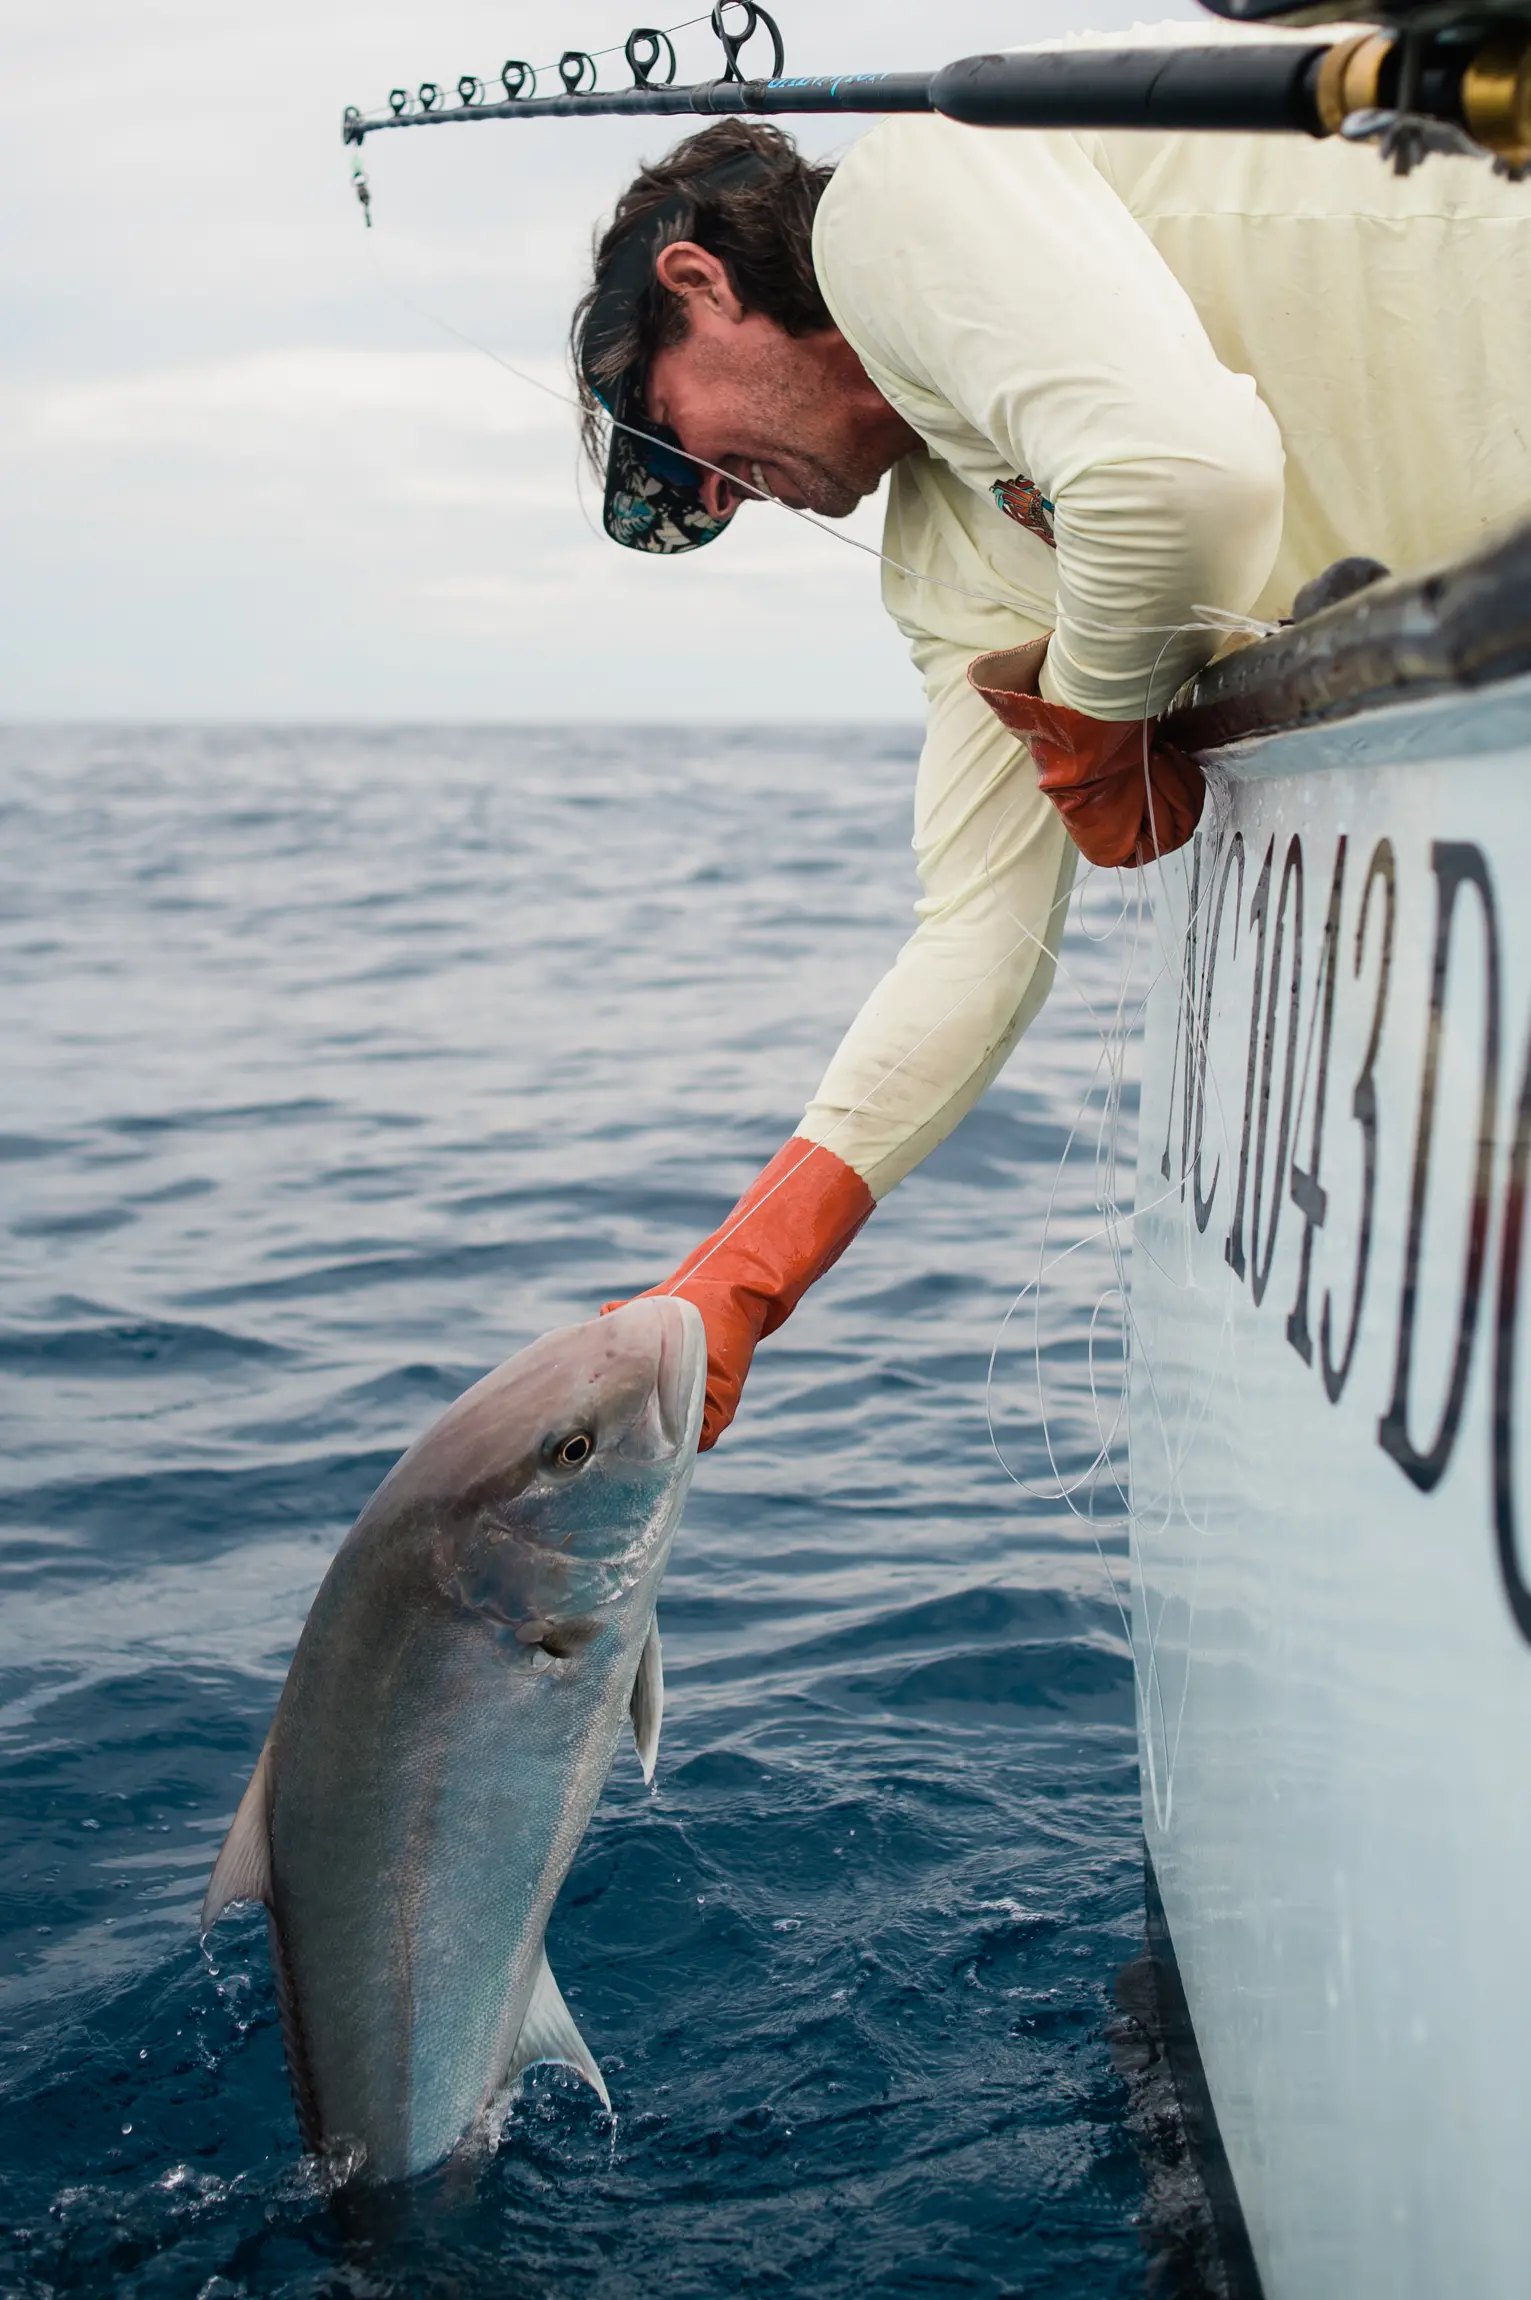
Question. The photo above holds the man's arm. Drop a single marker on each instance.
(996, 865)
(1002, 296)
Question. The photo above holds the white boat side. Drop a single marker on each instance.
(1331, 1483)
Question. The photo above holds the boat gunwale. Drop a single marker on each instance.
(1452, 631)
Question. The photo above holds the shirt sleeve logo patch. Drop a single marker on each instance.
(1022, 500)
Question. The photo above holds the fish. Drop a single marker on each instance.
(449, 1718)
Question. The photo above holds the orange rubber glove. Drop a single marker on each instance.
(1093, 769)
(793, 1222)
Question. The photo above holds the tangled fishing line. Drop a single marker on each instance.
(1141, 927)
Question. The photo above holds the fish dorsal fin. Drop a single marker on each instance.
(647, 1705)
(548, 2033)
(242, 1871)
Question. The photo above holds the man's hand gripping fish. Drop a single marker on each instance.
(448, 1721)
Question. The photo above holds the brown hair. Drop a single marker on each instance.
(762, 230)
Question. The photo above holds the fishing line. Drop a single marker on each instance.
(1113, 1038)
(1195, 1028)
(1114, 1224)
(1112, 1046)
(1140, 1373)
(1211, 618)
(1113, 1042)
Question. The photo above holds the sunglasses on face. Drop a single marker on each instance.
(664, 455)
(659, 446)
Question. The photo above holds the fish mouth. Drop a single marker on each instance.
(680, 1387)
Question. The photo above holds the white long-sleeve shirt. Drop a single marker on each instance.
(1201, 368)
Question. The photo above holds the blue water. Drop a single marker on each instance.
(336, 1067)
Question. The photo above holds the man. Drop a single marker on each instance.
(1118, 381)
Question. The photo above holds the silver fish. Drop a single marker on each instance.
(451, 1712)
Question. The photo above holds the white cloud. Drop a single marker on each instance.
(286, 402)
(238, 477)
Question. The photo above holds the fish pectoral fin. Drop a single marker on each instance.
(242, 1871)
(647, 1705)
(548, 2033)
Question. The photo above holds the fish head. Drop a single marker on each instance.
(552, 1487)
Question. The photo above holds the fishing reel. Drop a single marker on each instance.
(1435, 76)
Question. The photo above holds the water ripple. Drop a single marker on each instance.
(339, 1065)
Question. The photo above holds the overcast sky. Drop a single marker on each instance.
(241, 478)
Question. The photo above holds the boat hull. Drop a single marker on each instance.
(1331, 1486)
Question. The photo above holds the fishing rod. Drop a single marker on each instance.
(1434, 76)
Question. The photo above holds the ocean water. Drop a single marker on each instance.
(338, 1065)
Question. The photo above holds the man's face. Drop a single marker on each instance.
(795, 415)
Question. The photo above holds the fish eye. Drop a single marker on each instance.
(574, 1450)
